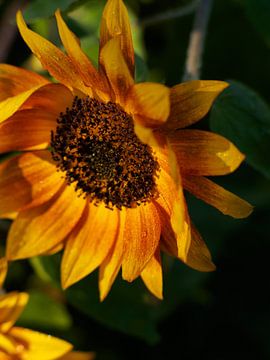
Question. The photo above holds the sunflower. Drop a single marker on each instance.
(18, 343)
(104, 161)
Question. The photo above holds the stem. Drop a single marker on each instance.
(197, 40)
(170, 14)
(8, 30)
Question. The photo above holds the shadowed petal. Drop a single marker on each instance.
(39, 346)
(9, 106)
(37, 126)
(204, 153)
(110, 267)
(172, 209)
(217, 196)
(191, 101)
(78, 355)
(11, 307)
(27, 180)
(15, 80)
(152, 275)
(116, 69)
(89, 74)
(199, 257)
(39, 229)
(52, 59)
(89, 243)
(3, 270)
(151, 101)
(115, 23)
(142, 234)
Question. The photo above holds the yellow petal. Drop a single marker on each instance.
(199, 257)
(27, 180)
(89, 243)
(173, 212)
(77, 355)
(152, 275)
(39, 346)
(110, 267)
(36, 135)
(89, 74)
(191, 101)
(151, 101)
(116, 69)
(15, 80)
(3, 270)
(39, 229)
(142, 235)
(9, 106)
(51, 58)
(8, 345)
(217, 196)
(204, 153)
(11, 307)
(115, 24)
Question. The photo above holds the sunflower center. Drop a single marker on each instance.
(97, 148)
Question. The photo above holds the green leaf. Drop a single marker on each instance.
(258, 11)
(44, 312)
(243, 117)
(129, 307)
(141, 70)
(40, 9)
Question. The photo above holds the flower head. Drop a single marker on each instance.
(104, 162)
(18, 343)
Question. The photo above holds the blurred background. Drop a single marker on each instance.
(215, 316)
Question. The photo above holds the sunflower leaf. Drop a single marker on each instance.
(40, 9)
(243, 117)
(56, 315)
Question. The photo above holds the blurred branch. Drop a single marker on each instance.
(8, 29)
(170, 14)
(197, 40)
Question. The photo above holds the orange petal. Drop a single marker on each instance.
(152, 275)
(110, 267)
(39, 346)
(27, 180)
(89, 74)
(39, 229)
(116, 69)
(11, 307)
(191, 101)
(115, 24)
(52, 59)
(54, 98)
(204, 153)
(9, 106)
(15, 80)
(78, 355)
(199, 257)
(172, 210)
(3, 270)
(217, 196)
(151, 101)
(142, 235)
(89, 243)
(36, 125)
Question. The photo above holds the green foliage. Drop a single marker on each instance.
(44, 312)
(258, 12)
(39, 9)
(242, 116)
(130, 308)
